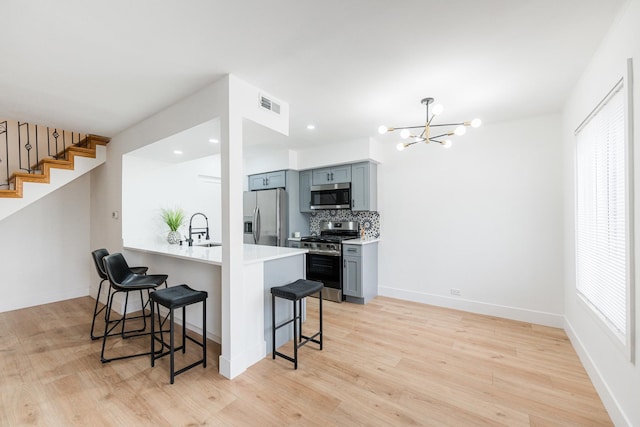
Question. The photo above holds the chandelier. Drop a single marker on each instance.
(426, 136)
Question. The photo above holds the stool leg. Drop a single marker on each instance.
(204, 333)
(143, 305)
(124, 316)
(184, 330)
(106, 327)
(295, 336)
(300, 320)
(153, 335)
(95, 310)
(273, 326)
(172, 344)
(320, 312)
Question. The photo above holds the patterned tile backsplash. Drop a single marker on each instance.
(370, 221)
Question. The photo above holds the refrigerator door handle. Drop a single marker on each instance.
(257, 225)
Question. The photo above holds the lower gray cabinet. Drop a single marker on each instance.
(352, 276)
(360, 272)
(294, 243)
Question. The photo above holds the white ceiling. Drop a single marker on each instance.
(345, 66)
(199, 141)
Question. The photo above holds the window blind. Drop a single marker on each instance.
(601, 214)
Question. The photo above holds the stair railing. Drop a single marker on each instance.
(24, 147)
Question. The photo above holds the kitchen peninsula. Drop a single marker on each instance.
(201, 268)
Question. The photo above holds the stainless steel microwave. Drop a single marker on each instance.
(331, 196)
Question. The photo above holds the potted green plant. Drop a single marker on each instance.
(174, 218)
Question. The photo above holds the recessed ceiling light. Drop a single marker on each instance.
(177, 152)
(311, 127)
(213, 140)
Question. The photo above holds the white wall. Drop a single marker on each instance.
(193, 186)
(483, 217)
(616, 379)
(338, 153)
(45, 255)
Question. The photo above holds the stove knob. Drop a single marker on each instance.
(332, 247)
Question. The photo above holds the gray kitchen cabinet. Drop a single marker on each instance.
(268, 180)
(305, 191)
(333, 175)
(360, 272)
(294, 244)
(364, 187)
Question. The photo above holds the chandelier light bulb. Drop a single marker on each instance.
(401, 146)
(460, 130)
(437, 109)
(405, 133)
(447, 143)
(382, 129)
(476, 123)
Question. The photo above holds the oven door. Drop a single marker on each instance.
(328, 270)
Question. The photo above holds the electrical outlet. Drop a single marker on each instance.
(455, 292)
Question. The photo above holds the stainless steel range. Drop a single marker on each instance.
(324, 259)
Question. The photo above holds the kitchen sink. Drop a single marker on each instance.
(207, 245)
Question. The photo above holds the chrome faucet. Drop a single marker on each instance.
(198, 231)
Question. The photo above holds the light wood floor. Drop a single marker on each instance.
(387, 363)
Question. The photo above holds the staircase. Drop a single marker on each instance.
(31, 182)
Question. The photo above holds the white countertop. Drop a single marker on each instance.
(360, 241)
(252, 253)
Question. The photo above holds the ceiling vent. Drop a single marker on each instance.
(268, 104)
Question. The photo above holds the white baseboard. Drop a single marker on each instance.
(610, 403)
(513, 313)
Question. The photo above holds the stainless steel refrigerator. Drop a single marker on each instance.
(265, 217)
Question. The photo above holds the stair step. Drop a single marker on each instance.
(10, 194)
(55, 163)
(82, 151)
(28, 177)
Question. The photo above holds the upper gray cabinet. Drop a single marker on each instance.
(334, 175)
(266, 181)
(305, 191)
(364, 187)
(363, 177)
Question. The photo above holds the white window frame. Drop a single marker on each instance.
(625, 342)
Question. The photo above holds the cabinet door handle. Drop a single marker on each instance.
(344, 263)
(328, 177)
(264, 181)
(331, 176)
(267, 181)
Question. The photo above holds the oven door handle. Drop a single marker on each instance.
(334, 254)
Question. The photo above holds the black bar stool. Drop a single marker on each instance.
(98, 255)
(172, 298)
(123, 280)
(295, 292)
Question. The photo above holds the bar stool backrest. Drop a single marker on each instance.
(98, 255)
(117, 269)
